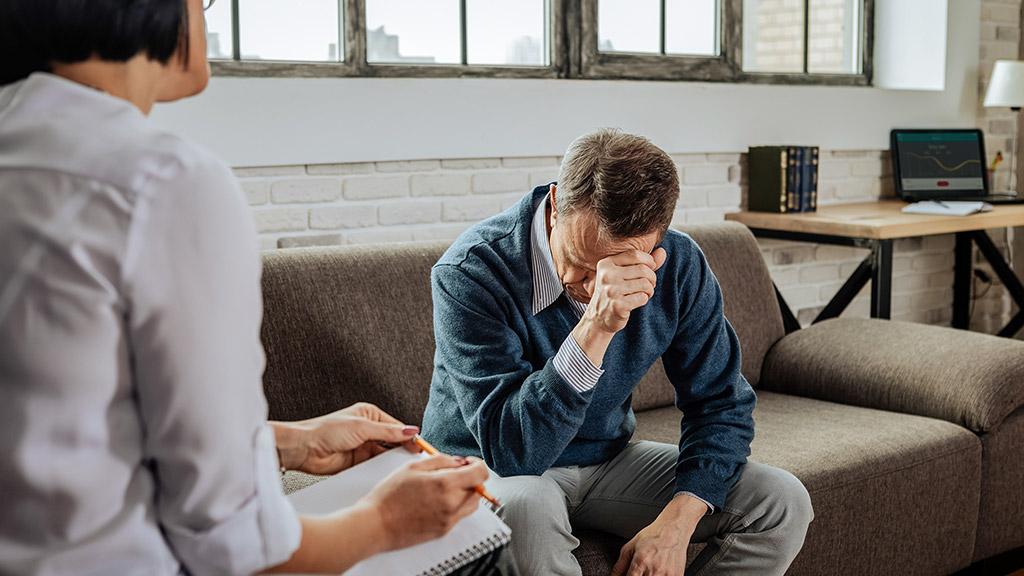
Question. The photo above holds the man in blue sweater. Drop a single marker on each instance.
(546, 317)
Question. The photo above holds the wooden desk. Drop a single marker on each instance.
(874, 225)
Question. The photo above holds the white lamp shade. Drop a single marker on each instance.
(1006, 87)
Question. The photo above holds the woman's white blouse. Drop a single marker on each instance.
(133, 435)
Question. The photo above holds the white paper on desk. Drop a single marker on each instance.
(474, 536)
(946, 208)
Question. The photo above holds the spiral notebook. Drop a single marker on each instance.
(473, 537)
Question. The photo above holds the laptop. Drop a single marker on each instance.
(942, 165)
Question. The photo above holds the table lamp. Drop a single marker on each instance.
(1006, 89)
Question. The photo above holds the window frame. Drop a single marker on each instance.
(574, 54)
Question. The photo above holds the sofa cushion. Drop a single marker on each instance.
(1000, 528)
(351, 324)
(892, 493)
(962, 377)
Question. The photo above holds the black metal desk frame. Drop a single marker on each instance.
(877, 268)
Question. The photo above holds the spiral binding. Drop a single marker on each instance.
(452, 564)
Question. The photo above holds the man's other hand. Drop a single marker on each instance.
(660, 549)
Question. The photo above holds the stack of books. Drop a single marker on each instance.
(782, 179)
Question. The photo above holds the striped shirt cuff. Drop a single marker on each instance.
(573, 365)
(711, 509)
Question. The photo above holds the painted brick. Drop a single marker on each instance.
(692, 198)
(268, 171)
(267, 244)
(306, 241)
(689, 158)
(847, 269)
(819, 273)
(854, 189)
(932, 262)
(705, 174)
(471, 163)
(699, 216)
(866, 168)
(799, 296)
(911, 283)
(928, 299)
(1009, 14)
(793, 255)
(530, 162)
(280, 219)
(833, 170)
(497, 182)
(724, 196)
(907, 244)
(941, 279)
(447, 232)
(826, 252)
(340, 169)
(543, 177)
(726, 158)
(305, 191)
(372, 187)
(379, 236)
(256, 191)
(440, 184)
(735, 174)
(408, 166)
(409, 213)
(785, 276)
(469, 209)
(347, 216)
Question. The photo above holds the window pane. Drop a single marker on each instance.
(834, 37)
(691, 27)
(274, 30)
(218, 30)
(507, 32)
(629, 26)
(773, 35)
(413, 31)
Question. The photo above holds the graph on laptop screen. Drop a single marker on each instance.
(940, 161)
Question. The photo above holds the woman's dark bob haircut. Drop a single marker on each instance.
(36, 33)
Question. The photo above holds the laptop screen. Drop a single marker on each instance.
(937, 163)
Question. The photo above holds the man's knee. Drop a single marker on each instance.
(787, 503)
(532, 501)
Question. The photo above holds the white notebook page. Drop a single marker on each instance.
(474, 536)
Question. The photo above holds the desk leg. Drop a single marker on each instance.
(1006, 275)
(962, 270)
(881, 280)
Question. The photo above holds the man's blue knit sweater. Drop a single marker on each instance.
(495, 393)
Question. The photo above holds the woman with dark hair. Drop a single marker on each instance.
(133, 437)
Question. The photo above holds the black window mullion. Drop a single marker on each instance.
(463, 25)
(236, 40)
(807, 34)
(663, 26)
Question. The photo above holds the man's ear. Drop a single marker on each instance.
(554, 208)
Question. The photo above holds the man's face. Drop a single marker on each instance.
(576, 249)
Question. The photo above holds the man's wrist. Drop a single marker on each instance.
(292, 439)
(686, 511)
(592, 340)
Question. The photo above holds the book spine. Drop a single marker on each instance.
(784, 166)
(792, 171)
(815, 152)
(766, 190)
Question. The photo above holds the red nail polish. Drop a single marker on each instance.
(461, 460)
(411, 430)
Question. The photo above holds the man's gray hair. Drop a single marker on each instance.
(630, 184)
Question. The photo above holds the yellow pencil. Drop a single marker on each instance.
(426, 447)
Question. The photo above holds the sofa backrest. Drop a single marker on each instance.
(354, 323)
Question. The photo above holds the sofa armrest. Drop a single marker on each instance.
(974, 380)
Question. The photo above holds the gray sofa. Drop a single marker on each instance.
(909, 438)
